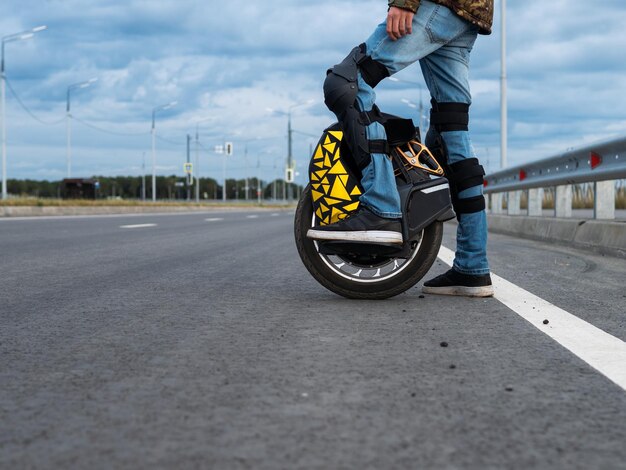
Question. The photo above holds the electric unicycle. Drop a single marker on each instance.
(360, 270)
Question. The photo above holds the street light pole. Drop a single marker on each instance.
(503, 99)
(5, 39)
(197, 162)
(143, 177)
(69, 120)
(153, 132)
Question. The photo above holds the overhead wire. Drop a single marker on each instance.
(27, 109)
(108, 131)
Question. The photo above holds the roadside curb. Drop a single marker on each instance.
(606, 237)
(27, 211)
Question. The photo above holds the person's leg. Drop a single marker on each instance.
(380, 194)
(348, 93)
(446, 73)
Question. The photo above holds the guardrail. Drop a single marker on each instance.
(600, 163)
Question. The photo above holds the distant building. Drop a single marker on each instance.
(79, 188)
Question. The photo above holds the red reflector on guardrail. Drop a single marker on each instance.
(485, 183)
(522, 175)
(595, 160)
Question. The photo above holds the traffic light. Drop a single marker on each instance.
(289, 175)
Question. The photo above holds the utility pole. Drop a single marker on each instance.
(5, 39)
(187, 176)
(503, 102)
(289, 155)
(245, 164)
(197, 165)
(143, 177)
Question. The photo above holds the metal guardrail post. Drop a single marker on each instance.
(514, 203)
(496, 203)
(604, 200)
(563, 201)
(535, 202)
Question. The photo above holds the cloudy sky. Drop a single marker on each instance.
(227, 62)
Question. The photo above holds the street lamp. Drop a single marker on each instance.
(289, 135)
(163, 107)
(503, 102)
(5, 39)
(75, 86)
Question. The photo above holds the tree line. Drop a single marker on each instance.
(167, 187)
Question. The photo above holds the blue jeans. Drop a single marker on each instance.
(442, 42)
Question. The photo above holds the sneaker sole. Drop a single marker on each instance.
(373, 236)
(484, 291)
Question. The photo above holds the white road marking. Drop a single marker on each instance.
(252, 216)
(214, 219)
(602, 351)
(275, 214)
(138, 226)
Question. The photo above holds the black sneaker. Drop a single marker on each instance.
(456, 283)
(362, 226)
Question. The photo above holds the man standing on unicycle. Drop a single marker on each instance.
(440, 35)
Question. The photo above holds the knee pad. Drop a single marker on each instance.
(341, 84)
(445, 117)
(340, 92)
(464, 175)
(467, 173)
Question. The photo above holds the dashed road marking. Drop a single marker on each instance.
(602, 351)
(275, 214)
(138, 226)
(252, 216)
(214, 219)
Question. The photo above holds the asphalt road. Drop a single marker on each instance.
(200, 341)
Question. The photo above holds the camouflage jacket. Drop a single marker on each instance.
(478, 12)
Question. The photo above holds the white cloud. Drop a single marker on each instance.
(232, 60)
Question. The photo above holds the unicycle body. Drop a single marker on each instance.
(361, 270)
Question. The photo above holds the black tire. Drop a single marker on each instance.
(400, 275)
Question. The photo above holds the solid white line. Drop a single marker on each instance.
(138, 226)
(214, 219)
(600, 350)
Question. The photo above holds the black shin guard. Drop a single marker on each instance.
(446, 117)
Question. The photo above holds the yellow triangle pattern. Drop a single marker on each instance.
(336, 134)
(351, 207)
(334, 216)
(330, 181)
(316, 195)
(326, 163)
(331, 147)
(318, 153)
(339, 191)
(331, 202)
(337, 169)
